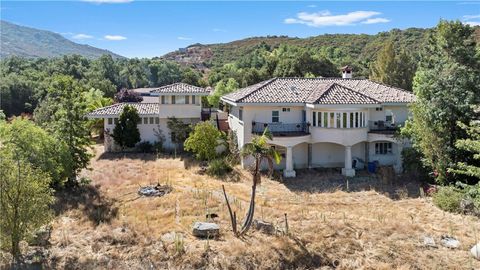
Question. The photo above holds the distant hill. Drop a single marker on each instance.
(29, 42)
(340, 48)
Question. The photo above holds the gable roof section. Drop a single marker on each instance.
(116, 109)
(180, 88)
(320, 91)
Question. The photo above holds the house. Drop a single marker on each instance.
(179, 100)
(322, 122)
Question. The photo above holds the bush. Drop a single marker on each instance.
(203, 141)
(144, 147)
(448, 198)
(219, 167)
(158, 147)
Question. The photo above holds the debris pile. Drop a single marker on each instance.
(154, 191)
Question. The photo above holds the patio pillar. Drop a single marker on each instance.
(348, 171)
(309, 155)
(289, 172)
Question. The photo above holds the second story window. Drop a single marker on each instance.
(179, 99)
(193, 100)
(173, 100)
(240, 115)
(314, 119)
(275, 117)
(187, 99)
(162, 98)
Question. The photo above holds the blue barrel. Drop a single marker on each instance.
(372, 167)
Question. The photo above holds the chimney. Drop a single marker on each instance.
(347, 72)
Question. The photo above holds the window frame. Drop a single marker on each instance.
(276, 118)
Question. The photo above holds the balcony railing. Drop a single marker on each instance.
(282, 129)
(384, 127)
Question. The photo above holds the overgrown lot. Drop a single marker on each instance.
(110, 226)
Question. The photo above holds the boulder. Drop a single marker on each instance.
(206, 230)
(450, 242)
(264, 226)
(476, 251)
(429, 241)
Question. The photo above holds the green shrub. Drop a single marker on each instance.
(144, 147)
(158, 146)
(219, 167)
(448, 198)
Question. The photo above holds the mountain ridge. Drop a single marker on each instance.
(29, 42)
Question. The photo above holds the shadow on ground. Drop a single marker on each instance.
(88, 198)
(331, 180)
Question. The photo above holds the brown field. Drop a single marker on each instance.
(110, 227)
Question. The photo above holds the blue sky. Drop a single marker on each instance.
(153, 28)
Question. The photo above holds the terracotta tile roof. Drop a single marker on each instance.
(180, 88)
(116, 109)
(321, 91)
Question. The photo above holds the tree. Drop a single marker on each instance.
(126, 133)
(179, 131)
(126, 95)
(446, 86)
(472, 144)
(392, 69)
(259, 150)
(222, 88)
(203, 141)
(25, 197)
(95, 99)
(33, 144)
(62, 113)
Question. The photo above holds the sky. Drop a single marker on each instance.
(152, 28)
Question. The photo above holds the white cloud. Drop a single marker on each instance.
(376, 20)
(184, 38)
(108, 1)
(472, 23)
(82, 36)
(469, 17)
(325, 18)
(114, 37)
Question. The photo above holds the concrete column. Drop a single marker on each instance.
(348, 171)
(309, 155)
(289, 172)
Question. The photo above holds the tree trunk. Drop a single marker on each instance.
(251, 210)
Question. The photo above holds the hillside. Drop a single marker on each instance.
(29, 42)
(338, 47)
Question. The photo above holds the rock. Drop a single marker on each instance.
(42, 236)
(206, 229)
(263, 226)
(429, 241)
(476, 251)
(157, 190)
(449, 242)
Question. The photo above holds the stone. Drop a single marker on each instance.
(206, 230)
(429, 241)
(264, 226)
(449, 242)
(476, 251)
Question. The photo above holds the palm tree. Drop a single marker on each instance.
(260, 150)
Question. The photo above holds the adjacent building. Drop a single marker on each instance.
(323, 122)
(179, 100)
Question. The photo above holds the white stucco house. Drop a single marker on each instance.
(322, 122)
(179, 100)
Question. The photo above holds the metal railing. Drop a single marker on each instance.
(281, 129)
(380, 125)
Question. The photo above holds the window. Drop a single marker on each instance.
(275, 117)
(151, 120)
(115, 120)
(388, 116)
(139, 121)
(344, 120)
(314, 118)
(145, 120)
(157, 120)
(193, 100)
(325, 119)
(331, 122)
(240, 114)
(285, 109)
(383, 148)
(187, 99)
(379, 109)
(356, 119)
(163, 99)
(361, 119)
(173, 100)
(179, 99)
(110, 121)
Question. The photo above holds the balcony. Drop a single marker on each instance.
(282, 129)
(384, 127)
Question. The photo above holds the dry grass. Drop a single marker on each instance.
(354, 230)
